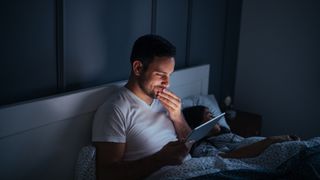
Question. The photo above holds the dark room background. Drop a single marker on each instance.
(278, 65)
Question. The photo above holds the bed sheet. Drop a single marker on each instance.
(266, 164)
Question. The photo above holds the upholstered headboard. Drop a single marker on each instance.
(40, 139)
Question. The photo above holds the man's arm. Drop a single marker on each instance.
(173, 105)
(181, 127)
(109, 163)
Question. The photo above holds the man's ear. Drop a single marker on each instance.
(137, 67)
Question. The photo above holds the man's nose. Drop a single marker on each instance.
(165, 82)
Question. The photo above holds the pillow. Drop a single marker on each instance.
(86, 164)
(208, 101)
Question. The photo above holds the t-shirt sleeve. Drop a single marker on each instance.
(109, 125)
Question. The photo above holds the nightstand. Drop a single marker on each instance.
(245, 124)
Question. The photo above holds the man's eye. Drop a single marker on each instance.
(161, 76)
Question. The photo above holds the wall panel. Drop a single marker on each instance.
(27, 50)
(207, 38)
(171, 23)
(98, 38)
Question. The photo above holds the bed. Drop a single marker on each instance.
(42, 138)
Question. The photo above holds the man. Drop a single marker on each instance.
(141, 128)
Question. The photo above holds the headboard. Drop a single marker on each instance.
(40, 139)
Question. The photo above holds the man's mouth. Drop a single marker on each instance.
(159, 89)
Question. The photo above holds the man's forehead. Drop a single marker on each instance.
(163, 65)
(159, 70)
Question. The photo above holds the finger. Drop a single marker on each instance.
(168, 96)
(171, 94)
(159, 89)
(167, 103)
(168, 99)
(185, 147)
(183, 140)
(189, 144)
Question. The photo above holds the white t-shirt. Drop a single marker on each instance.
(125, 118)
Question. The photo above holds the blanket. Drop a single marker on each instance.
(304, 165)
(280, 159)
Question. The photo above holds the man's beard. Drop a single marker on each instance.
(148, 92)
(151, 94)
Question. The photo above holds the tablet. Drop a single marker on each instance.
(202, 130)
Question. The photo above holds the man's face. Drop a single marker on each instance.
(157, 76)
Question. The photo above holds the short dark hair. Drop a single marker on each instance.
(194, 115)
(147, 47)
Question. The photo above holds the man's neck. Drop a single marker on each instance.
(133, 86)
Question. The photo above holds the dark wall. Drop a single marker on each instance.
(98, 36)
(27, 50)
(214, 39)
(278, 73)
(171, 22)
(50, 47)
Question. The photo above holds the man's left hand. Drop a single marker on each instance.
(171, 102)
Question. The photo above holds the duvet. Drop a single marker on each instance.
(280, 160)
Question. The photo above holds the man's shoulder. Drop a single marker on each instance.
(117, 99)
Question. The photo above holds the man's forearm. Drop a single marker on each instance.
(137, 169)
(181, 127)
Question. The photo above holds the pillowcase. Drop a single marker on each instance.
(208, 101)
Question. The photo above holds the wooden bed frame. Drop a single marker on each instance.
(40, 139)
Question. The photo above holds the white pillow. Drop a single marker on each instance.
(208, 101)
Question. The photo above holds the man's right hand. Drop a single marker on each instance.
(174, 152)
(110, 165)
